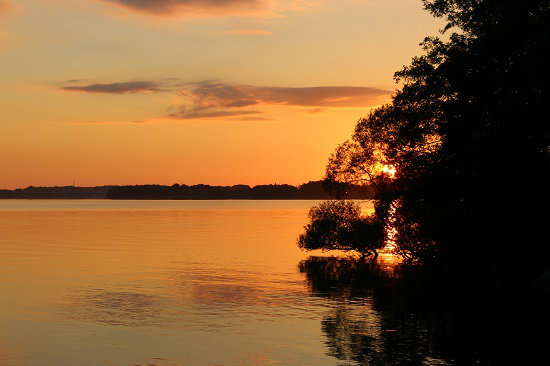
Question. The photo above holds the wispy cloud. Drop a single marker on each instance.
(116, 88)
(195, 113)
(222, 94)
(249, 32)
(215, 99)
(321, 96)
(211, 99)
(190, 8)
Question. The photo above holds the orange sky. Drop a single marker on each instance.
(187, 91)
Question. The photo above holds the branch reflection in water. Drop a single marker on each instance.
(386, 313)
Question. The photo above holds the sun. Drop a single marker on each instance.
(389, 170)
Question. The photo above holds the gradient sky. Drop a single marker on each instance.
(192, 91)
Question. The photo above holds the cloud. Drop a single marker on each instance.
(116, 88)
(321, 96)
(222, 94)
(216, 99)
(242, 103)
(249, 32)
(196, 113)
(186, 8)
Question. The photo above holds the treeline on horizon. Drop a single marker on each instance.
(310, 190)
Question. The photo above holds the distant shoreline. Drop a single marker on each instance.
(310, 190)
(176, 199)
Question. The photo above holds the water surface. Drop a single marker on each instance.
(98, 282)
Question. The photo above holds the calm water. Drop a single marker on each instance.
(207, 283)
(96, 282)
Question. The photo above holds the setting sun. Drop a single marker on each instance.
(389, 170)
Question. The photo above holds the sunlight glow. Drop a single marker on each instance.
(389, 170)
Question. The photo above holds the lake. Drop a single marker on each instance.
(98, 282)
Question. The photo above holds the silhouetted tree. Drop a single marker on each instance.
(468, 134)
(339, 225)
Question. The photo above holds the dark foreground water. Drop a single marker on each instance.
(219, 283)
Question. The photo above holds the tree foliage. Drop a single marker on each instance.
(339, 225)
(469, 136)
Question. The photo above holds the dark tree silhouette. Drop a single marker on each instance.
(339, 225)
(469, 136)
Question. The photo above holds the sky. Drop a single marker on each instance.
(219, 92)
